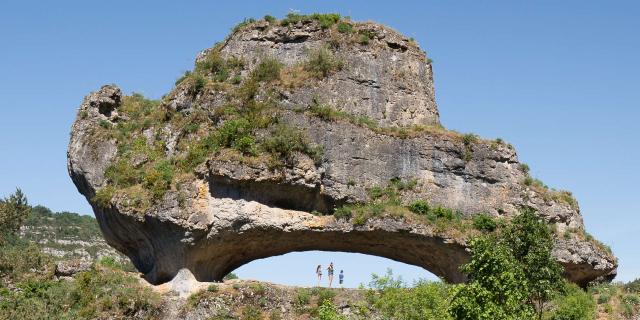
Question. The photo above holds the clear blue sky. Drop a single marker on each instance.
(560, 80)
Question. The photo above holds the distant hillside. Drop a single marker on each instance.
(67, 235)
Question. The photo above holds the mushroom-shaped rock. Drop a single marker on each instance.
(301, 137)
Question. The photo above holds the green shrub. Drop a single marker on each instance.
(604, 298)
(328, 311)
(251, 313)
(230, 276)
(110, 262)
(199, 82)
(284, 141)
(633, 286)
(343, 212)
(232, 131)
(344, 27)
(324, 295)
(212, 288)
(322, 62)
(104, 124)
(267, 70)
(104, 195)
(469, 139)
(484, 222)
(575, 304)
(303, 297)
(270, 18)
(326, 20)
(364, 38)
(420, 207)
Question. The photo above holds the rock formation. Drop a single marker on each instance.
(278, 129)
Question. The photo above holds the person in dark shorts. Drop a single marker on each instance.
(330, 273)
(341, 278)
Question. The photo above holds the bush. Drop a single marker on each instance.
(270, 18)
(419, 207)
(484, 222)
(575, 304)
(343, 212)
(344, 27)
(267, 70)
(322, 62)
(284, 141)
(230, 276)
(303, 297)
(328, 311)
(633, 286)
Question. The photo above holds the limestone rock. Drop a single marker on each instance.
(232, 209)
(68, 268)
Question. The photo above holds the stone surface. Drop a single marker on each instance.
(235, 212)
(70, 267)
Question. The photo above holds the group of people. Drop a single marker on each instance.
(330, 274)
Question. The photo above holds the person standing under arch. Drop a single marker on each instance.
(319, 273)
(330, 273)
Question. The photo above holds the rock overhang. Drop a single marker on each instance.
(375, 119)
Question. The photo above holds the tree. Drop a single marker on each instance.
(531, 243)
(13, 211)
(497, 287)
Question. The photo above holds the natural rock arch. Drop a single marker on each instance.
(229, 209)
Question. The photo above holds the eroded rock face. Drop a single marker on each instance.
(229, 212)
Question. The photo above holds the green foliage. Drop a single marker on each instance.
(303, 297)
(284, 141)
(484, 222)
(230, 276)
(267, 70)
(531, 242)
(105, 124)
(365, 37)
(13, 211)
(425, 300)
(419, 207)
(22, 260)
(574, 304)
(469, 139)
(497, 288)
(326, 20)
(322, 62)
(251, 313)
(104, 195)
(97, 293)
(328, 311)
(326, 113)
(633, 286)
(344, 27)
(270, 18)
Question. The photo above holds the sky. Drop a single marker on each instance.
(557, 79)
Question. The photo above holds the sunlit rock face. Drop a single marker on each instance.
(231, 209)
